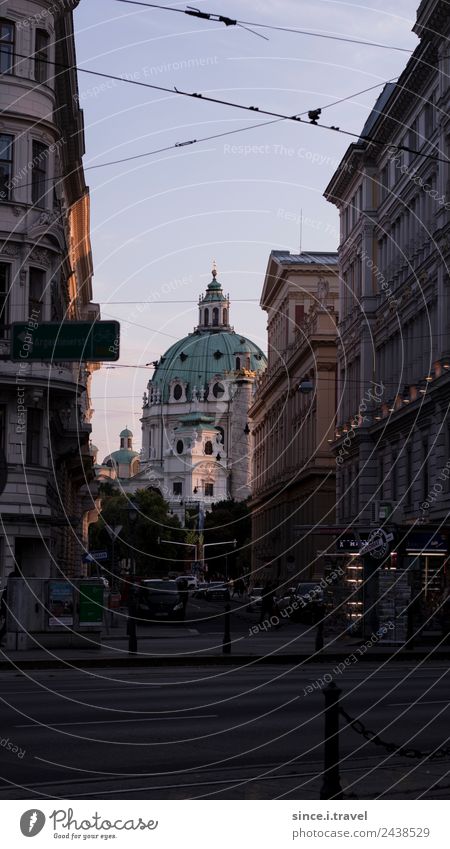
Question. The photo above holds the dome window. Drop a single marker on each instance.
(206, 317)
(218, 355)
(215, 320)
(238, 363)
(177, 392)
(208, 447)
(183, 356)
(218, 390)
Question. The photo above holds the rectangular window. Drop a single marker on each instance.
(34, 436)
(6, 163)
(36, 292)
(209, 489)
(39, 173)
(409, 480)
(299, 314)
(425, 468)
(41, 55)
(2, 427)
(6, 47)
(5, 271)
(394, 465)
(381, 477)
(177, 488)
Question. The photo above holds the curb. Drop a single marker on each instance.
(210, 660)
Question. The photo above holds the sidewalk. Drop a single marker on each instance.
(164, 645)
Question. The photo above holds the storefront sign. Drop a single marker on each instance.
(377, 544)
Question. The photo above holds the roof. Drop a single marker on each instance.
(377, 110)
(122, 455)
(125, 432)
(199, 357)
(317, 258)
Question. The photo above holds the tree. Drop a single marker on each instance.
(137, 542)
(227, 521)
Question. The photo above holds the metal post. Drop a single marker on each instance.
(319, 636)
(331, 787)
(131, 627)
(226, 647)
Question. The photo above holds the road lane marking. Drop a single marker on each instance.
(418, 703)
(51, 725)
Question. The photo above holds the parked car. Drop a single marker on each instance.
(157, 598)
(192, 581)
(217, 590)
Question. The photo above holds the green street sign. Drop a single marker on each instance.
(67, 341)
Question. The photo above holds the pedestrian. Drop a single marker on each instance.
(267, 602)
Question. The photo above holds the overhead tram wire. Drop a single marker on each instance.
(227, 21)
(220, 102)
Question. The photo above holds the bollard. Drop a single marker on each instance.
(226, 647)
(331, 787)
(131, 630)
(319, 636)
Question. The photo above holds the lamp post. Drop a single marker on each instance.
(133, 513)
(186, 544)
(232, 542)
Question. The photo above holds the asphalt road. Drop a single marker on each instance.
(241, 733)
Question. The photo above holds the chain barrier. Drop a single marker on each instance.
(372, 737)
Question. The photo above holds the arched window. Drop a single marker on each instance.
(208, 447)
(177, 392)
(215, 316)
(206, 314)
(238, 363)
(225, 316)
(130, 444)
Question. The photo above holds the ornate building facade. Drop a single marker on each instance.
(392, 440)
(196, 445)
(45, 275)
(293, 417)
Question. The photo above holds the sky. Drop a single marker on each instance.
(158, 222)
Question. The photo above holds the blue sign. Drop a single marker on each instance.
(92, 556)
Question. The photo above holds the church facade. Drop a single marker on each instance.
(196, 438)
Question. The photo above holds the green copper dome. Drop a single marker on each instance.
(202, 355)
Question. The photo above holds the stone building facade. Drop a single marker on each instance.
(293, 417)
(392, 190)
(45, 275)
